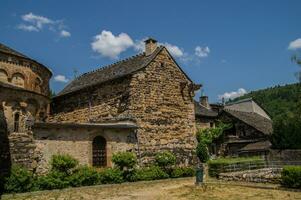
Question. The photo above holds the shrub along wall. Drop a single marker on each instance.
(215, 167)
(291, 177)
(65, 172)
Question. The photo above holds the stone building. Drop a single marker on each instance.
(143, 104)
(251, 127)
(24, 98)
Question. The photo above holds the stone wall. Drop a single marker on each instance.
(204, 122)
(27, 104)
(159, 98)
(34, 79)
(105, 101)
(23, 150)
(77, 142)
(265, 175)
(161, 101)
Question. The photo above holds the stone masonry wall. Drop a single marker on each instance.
(162, 103)
(35, 79)
(77, 142)
(108, 100)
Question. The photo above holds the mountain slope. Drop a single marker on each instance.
(276, 100)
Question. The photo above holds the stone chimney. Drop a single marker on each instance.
(204, 101)
(150, 46)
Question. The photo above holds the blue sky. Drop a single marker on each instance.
(228, 46)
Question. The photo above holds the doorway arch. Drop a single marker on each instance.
(99, 152)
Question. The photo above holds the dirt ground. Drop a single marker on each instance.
(165, 189)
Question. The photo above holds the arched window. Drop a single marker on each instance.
(16, 122)
(18, 80)
(3, 76)
(99, 152)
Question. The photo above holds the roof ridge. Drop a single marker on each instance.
(240, 101)
(110, 65)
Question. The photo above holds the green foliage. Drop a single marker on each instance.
(63, 163)
(20, 180)
(111, 175)
(165, 159)
(53, 180)
(215, 167)
(276, 100)
(202, 152)
(283, 103)
(208, 135)
(149, 173)
(286, 134)
(84, 176)
(124, 160)
(183, 172)
(291, 177)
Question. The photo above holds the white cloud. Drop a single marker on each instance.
(233, 95)
(37, 20)
(201, 51)
(109, 45)
(61, 78)
(28, 28)
(296, 44)
(32, 22)
(139, 45)
(174, 50)
(65, 33)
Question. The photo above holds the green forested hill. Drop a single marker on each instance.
(278, 100)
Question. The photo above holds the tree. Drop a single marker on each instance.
(297, 59)
(205, 137)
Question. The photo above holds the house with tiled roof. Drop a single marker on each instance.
(250, 130)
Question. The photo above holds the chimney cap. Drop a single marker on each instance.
(152, 40)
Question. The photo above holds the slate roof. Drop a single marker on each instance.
(7, 50)
(203, 111)
(255, 120)
(110, 72)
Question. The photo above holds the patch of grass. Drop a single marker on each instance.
(182, 188)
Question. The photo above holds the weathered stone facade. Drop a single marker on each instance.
(158, 98)
(24, 98)
(143, 104)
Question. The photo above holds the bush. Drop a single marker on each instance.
(286, 131)
(165, 159)
(84, 176)
(202, 152)
(20, 180)
(183, 172)
(149, 173)
(291, 177)
(53, 180)
(215, 167)
(111, 175)
(124, 160)
(63, 163)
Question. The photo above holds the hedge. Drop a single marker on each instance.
(291, 177)
(65, 172)
(215, 167)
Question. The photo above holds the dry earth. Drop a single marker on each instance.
(165, 189)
